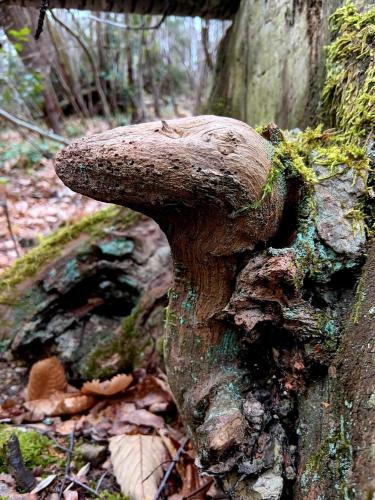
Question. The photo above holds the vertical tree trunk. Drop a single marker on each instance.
(37, 57)
(152, 68)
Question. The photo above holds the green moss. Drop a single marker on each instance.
(348, 94)
(359, 298)
(50, 247)
(128, 347)
(107, 495)
(37, 450)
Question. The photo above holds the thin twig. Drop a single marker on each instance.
(68, 461)
(170, 468)
(203, 488)
(100, 481)
(92, 62)
(4, 204)
(42, 14)
(156, 468)
(34, 128)
(82, 485)
(141, 27)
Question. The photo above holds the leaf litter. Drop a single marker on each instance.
(112, 439)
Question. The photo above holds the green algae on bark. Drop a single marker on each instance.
(50, 247)
(332, 460)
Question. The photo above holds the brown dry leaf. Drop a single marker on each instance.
(108, 387)
(139, 417)
(46, 377)
(134, 459)
(58, 404)
(152, 394)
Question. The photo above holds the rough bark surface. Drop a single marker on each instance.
(198, 178)
(259, 293)
(271, 62)
(209, 9)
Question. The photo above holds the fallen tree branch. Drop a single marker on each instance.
(16, 466)
(34, 128)
(133, 28)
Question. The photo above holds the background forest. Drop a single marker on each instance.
(88, 72)
(194, 318)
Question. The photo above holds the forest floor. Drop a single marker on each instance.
(89, 442)
(34, 201)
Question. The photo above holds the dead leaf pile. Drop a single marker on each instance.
(126, 429)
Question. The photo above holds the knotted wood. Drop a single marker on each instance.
(199, 179)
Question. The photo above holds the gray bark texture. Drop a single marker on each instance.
(271, 62)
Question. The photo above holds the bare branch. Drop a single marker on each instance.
(34, 128)
(141, 27)
(92, 62)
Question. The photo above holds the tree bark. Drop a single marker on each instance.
(37, 57)
(258, 299)
(195, 177)
(209, 9)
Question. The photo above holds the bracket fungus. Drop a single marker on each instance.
(199, 178)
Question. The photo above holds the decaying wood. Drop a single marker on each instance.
(75, 305)
(198, 178)
(252, 326)
(21, 474)
(209, 9)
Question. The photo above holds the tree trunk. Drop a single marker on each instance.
(66, 73)
(38, 57)
(209, 9)
(151, 65)
(261, 283)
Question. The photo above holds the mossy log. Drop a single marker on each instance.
(87, 289)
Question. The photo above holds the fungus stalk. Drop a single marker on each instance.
(194, 176)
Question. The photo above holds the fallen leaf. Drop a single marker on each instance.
(58, 404)
(141, 417)
(136, 464)
(108, 387)
(44, 483)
